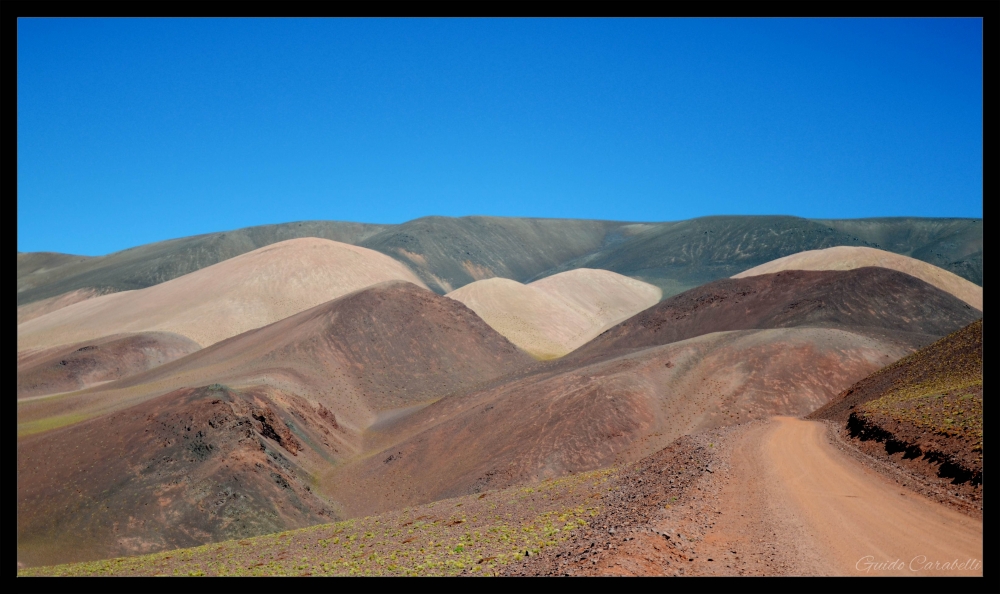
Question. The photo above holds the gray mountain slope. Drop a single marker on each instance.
(448, 253)
(952, 244)
(682, 255)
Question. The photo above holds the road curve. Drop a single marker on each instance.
(834, 516)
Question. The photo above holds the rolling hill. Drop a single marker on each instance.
(166, 464)
(37, 309)
(727, 352)
(849, 258)
(81, 365)
(953, 244)
(39, 277)
(553, 316)
(680, 255)
(550, 424)
(448, 253)
(37, 268)
(311, 380)
(223, 300)
(872, 298)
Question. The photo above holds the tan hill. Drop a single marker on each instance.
(43, 275)
(849, 258)
(552, 316)
(81, 365)
(164, 465)
(223, 300)
(37, 309)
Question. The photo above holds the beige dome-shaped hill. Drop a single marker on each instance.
(849, 258)
(225, 299)
(552, 316)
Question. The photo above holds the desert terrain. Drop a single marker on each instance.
(485, 396)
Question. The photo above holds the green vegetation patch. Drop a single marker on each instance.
(49, 423)
(939, 388)
(474, 534)
(951, 408)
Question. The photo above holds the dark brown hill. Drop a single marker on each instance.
(956, 357)
(873, 298)
(77, 366)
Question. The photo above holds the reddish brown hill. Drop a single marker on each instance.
(165, 465)
(958, 355)
(390, 346)
(870, 297)
(77, 366)
(737, 349)
(552, 423)
(189, 467)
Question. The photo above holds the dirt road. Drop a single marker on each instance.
(792, 503)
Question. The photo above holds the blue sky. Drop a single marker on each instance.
(138, 130)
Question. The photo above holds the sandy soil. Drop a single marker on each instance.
(849, 258)
(770, 497)
(552, 316)
(829, 514)
(226, 299)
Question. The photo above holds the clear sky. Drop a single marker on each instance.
(137, 130)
